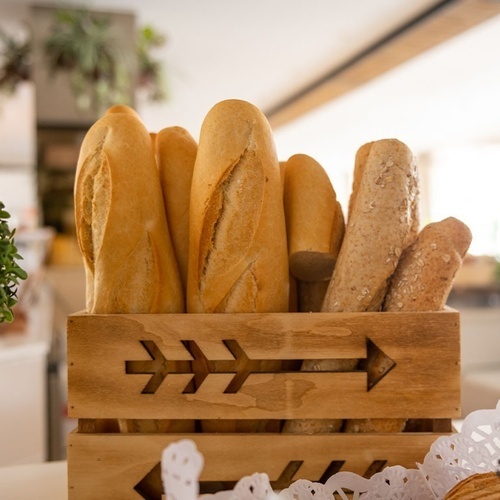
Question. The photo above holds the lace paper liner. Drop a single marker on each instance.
(476, 448)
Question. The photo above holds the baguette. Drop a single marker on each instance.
(385, 186)
(122, 230)
(175, 155)
(314, 219)
(422, 282)
(424, 276)
(315, 229)
(381, 210)
(238, 259)
(121, 225)
(479, 486)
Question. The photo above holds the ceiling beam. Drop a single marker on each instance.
(444, 21)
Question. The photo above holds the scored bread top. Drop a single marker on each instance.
(238, 257)
(121, 225)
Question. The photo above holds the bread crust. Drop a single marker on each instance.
(314, 219)
(121, 225)
(422, 282)
(424, 276)
(484, 486)
(378, 228)
(238, 258)
(176, 150)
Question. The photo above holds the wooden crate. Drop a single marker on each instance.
(119, 367)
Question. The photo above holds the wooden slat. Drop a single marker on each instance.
(109, 466)
(425, 382)
(452, 19)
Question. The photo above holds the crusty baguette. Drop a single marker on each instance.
(121, 225)
(175, 155)
(381, 213)
(315, 229)
(422, 282)
(238, 258)
(479, 486)
(122, 108)
(313, 224)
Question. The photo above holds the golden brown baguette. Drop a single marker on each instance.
(422, 282)
(378, 228)
(122, 108)
(315, 229)
(314, 219)
(175, 155)
(121, 225)
(480, 486)
(238, 258)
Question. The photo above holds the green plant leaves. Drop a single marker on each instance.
(10, 272)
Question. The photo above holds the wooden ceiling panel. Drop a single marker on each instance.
(446, 20)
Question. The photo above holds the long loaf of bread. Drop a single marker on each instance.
(379, 226)
(238, 259)
(315, 229)
(426, 271)
(175, 154)
(422, 282)
(122, 229)
(380, 213)
(121, 225)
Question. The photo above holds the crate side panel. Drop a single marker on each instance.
(425, 382)
(114, 464)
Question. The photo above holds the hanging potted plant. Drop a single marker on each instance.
(10, 271)
(150, 70)
(82, 45)
(15, 60)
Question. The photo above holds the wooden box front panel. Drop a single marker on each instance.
(128, 466)
(141, 366)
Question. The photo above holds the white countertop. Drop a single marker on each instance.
(45, 481)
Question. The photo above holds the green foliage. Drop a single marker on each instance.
(82, 45)
(10, 272)
(15, 59)
(150, 70)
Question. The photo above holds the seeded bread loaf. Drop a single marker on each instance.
(175, 155)
(379, 223)
(120, 220)
(422, 282)
(425, 273)
(379, 226)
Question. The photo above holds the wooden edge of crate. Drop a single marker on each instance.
(125, 359)
(117, 465)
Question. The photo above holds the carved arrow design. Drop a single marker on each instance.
(377, 364)
(150, 486)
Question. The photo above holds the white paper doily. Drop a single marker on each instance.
(476, 448)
